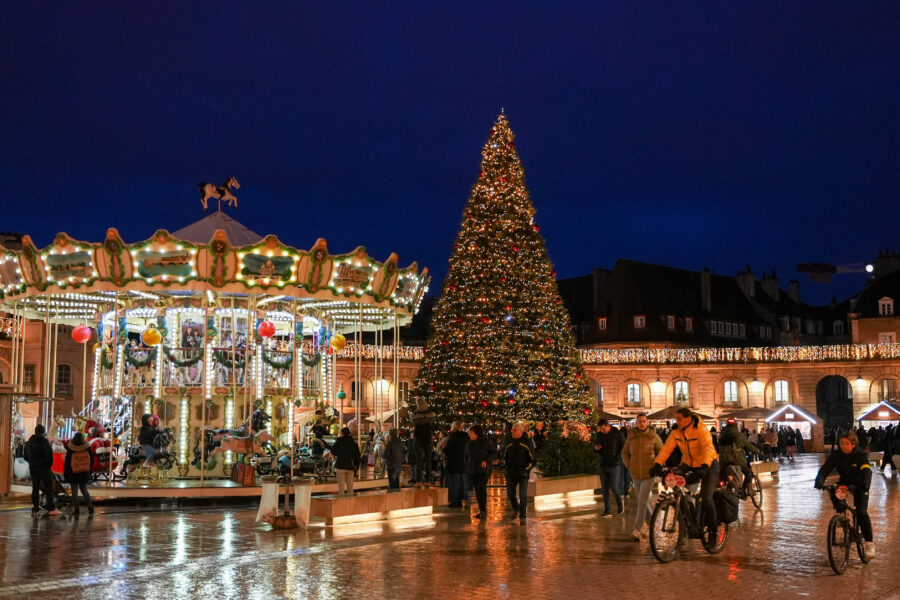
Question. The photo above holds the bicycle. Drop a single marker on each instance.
(843, 531)
(733, 478)
(678, 515)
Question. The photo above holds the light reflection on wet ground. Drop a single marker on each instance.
(222, 554)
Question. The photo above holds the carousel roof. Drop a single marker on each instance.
(203, 230)
(215, 262)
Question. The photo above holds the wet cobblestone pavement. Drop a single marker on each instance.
(220, 553)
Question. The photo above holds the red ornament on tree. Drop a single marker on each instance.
(587, 411)
(81, 334)
(509, 307)
(266, 329)
(484, 403)
(485, 320)
(536, 228)
(542, 387)
(512, 400)
(515, 248)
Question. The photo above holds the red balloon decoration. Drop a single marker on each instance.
(266, 329)
(81, 334)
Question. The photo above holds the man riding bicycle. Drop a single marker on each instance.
(852, 464)
(698, 455)
(733, 449)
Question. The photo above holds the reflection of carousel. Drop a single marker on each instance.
(211, 328)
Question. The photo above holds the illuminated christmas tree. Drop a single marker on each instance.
(500, 348)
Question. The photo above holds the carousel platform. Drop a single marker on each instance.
(191, 488)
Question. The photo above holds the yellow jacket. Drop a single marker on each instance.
(695, 443)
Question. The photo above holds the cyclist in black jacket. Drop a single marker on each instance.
(852, 464)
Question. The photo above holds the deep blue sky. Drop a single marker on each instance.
(761, 133)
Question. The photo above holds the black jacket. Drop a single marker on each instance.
(518, 457)
(854, 469)
(147, 435)
(346, 453)
(455, 451)
(394, 452)
(481, 450)
(67, 468)
(733, 447)
(610, 447)
(38, 453)
(423, 429)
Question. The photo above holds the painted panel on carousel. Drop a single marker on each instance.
(10, 274)
(352, 273)
(268, 263)
(31, 264)
(69, 263)
(314, 269)
(164, 258)
(217, 262)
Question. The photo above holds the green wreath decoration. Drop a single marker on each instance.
(132, 360)
(223, 357)
(104, 359)
(311, 362)
(279, 365)
(169, 354)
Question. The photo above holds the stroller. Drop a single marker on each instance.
(62, 494)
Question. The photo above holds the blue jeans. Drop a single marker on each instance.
(456, 487)
(520, 481)
(150, 453)
(611, 480)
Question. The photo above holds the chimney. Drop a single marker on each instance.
(706, 290)
(601, 280)
(793, 290)
(887, 262)
(747, 282)
(770, 285)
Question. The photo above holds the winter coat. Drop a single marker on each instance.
(455, 451)
(38, 453)
(640, 449)
(147, 434)
(481, 450)
(518, 457)
(393, 454)
(423, 430)
(733, 447)
(854, 468)
(346, 453)
(75, 478)
(610, 447)
(695, 443)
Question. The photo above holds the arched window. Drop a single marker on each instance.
(597, 390)
(63, 380)
(888, 390)
(731, 392)
(633, 394)
(782, 391)
(682, 393)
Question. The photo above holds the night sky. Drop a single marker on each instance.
(720, 135)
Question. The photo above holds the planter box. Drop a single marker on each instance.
(563, 487)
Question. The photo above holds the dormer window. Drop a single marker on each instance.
(640, 321)
(601, 323)
(670, 322)
(886, 307)
(688, 324)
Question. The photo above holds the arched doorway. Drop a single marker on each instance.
(834, 402)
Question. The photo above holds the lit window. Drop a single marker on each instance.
(601, 323)
(888, 390)
(887, 337)
(782, 391)
(886, 307)
(670, 322)
(688, 324)
(634, 394)
(838, 327)
(640, 322)
(403, 392)
(731, 392)
(681, 392)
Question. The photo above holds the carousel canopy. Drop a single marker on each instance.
(215, 262)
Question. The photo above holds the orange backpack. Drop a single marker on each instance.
(80, 461)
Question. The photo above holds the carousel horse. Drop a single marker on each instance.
(213, 438)
(222, 192)
(246, 445)
(164, 459)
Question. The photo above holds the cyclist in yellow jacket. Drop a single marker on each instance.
(698, 455)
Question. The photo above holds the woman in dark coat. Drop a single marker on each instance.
(482, 453)
(77, 470)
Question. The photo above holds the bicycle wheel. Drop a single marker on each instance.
(756, 492)
(838, 544)
(861, 546)
(721, 540)
(665, 531)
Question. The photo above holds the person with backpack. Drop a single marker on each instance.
(39, 456)
(733, 450)
(77, 470)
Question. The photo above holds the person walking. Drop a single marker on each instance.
(639, 452)
(39, 456)
(481, 452)
(393, 459)
(888, 445)
(455, 465)
(790, 443)
(77, 471)
(347, 458)
(518, 459)
(422, 419)
(608, 446)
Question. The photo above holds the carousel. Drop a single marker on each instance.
(226, 340)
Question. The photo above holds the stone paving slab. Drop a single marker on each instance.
(221, 554)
